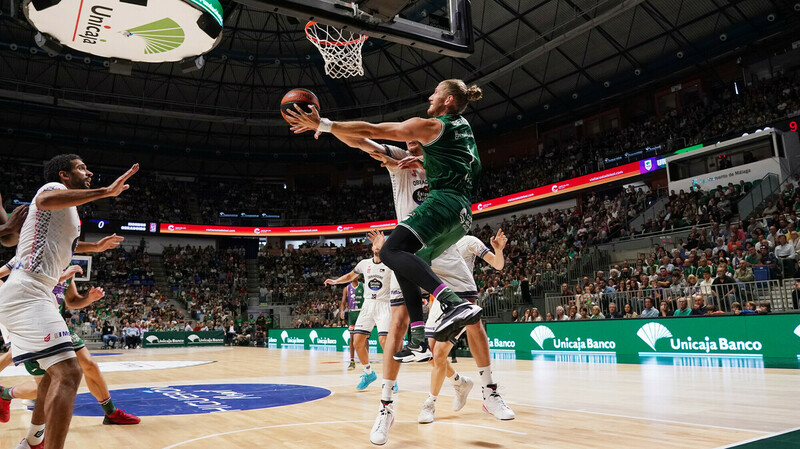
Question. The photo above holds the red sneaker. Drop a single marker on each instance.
(5, 410)
(122, 418)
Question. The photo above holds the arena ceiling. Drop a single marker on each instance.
(534, 58)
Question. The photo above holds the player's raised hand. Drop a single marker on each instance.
(119, 186)
(72, 270)
(499, 241)
(385, 160)
(410, 163)
(329, 282)
(377, 238)
(298, 118)
(95, 293)
(302, 129)
(110, 242)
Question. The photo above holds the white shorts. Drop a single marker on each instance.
(451, 269)
(434, 312)
(374, 313)
(34, 325)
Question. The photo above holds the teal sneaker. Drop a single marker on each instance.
(366, 379)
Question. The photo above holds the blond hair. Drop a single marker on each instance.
(462, 94)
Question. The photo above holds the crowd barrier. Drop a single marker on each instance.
(757, 341)
(174, 339)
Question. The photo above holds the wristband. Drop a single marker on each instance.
(325, 125)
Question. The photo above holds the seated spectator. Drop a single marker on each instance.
(535, 315)
(597, 314)
(699, 305)
(629, 312)
(683, 307)
(549, 317)
(744, 273)
(736, 308)
(785, 255)
(711, 309)
(109, 336)
(725, 289)
(764, 308)
(584, 315)
(664, 309)
(515, 316)
(649, 311)
(560, 314)
(613, 313)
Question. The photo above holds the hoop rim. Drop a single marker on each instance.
(324, 42)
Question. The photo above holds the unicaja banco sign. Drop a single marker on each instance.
(721, 345)
(546, 340)
(143, 31)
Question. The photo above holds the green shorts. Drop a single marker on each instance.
(352, 317)
(35, 370)
(439, 222)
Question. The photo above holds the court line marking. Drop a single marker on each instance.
(277, 426)
(763, 437)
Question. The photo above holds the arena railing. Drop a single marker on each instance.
(780, 295)
(756, 197)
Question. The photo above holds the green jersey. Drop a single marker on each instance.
(451, 160)
(355, 296)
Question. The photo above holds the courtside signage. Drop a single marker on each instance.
(772, 340)
(144, 31)
(173, 339)
(202, 399)
(317, 339)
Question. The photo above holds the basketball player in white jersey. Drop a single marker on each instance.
(408, 186)
(47, 240)
(375, 312)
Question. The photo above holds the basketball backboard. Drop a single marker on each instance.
(439, 26)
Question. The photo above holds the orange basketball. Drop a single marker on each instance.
(301, 97)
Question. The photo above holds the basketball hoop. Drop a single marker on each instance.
(340, 49)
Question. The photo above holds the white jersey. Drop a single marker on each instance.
(377, 280)
(410, 187)
(48, 239)
(470, 248)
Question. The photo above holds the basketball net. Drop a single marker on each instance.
(341, 50)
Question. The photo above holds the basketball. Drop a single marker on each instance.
(302, 97)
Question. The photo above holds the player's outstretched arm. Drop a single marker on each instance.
(349, 277)
(74, 300)
(419, 129)
(110, 242)
(61, 199)
(498, 242)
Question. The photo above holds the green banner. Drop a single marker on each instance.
(754, 341)
(163, 339)
(173, 339)
(207, 338)
(320, 339)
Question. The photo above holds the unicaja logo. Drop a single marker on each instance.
(159, 36)
(284, 336)
(313, 336)
(346, 336)
(797, 330)
(152, 339)
(650, 333)
(193, 338)
(541, 334)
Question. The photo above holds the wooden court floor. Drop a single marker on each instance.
(558, 405)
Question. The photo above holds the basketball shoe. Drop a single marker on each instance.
(380, 430)
(462, 392)
(5, 410)
(366, 379)
(24, 445)
(120, 417)
(495, 405)
(419, 353)
(427, 412)
(352, 365)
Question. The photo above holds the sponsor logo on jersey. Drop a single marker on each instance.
(420, 195)
(375, 284)
(466, 219)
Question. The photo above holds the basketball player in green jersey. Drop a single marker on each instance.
(352, 300)
(451, 161)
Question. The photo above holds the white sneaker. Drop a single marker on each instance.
(380, 430)
(428, 409)
(462, 392)
(495, 405)
(23, 444)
